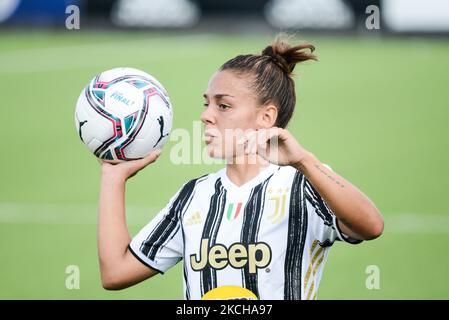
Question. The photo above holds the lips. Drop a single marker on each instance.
(209, 135)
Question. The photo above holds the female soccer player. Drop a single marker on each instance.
(266, 221)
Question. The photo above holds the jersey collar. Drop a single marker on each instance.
(264, 174)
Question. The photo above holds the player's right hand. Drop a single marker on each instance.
(127, 169)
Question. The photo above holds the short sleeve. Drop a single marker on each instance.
(322, 221)
(159, 245)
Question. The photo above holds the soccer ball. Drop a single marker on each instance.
(123, 114)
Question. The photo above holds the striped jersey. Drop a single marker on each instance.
(271, 235)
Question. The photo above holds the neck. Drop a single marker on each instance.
(242, 170)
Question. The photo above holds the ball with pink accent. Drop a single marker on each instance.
(123, 114)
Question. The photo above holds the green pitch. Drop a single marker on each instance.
(375, 110)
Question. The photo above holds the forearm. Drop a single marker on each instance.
(354, 209)
(113, 235)
(118, 266)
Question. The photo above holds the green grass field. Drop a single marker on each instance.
(376, 110)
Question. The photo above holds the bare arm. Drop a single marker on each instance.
(119, 268)
(357, 215)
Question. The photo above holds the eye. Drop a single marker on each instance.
(223, 106)
(205, 104)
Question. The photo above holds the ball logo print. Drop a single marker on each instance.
(123, 114)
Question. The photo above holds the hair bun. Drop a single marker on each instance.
(287, 56)
(278, 59)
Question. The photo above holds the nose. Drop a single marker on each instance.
(207, 116)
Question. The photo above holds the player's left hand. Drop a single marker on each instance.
(276, 145)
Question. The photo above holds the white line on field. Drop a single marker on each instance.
(67, 214)
(399, 223)
(164, 43)
(100, 54)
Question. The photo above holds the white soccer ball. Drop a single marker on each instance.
(123, 114)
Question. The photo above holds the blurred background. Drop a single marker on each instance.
(374, 107)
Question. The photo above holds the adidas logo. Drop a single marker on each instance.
(195, 218)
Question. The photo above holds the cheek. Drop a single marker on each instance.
(244, 119)
(232, 127)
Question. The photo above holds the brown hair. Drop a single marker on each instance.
(272, 74)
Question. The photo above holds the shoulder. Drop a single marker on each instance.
(205, 180)
(289, 174)
(289, 171)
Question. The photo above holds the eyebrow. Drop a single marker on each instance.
(219, 95)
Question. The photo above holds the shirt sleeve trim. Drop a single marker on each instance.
(342, 236)
(146, 263)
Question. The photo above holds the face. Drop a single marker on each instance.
(230, 109)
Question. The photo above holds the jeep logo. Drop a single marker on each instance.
(255, 255)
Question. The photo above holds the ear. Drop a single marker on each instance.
(267, 116)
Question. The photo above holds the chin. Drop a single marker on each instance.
(215, 152)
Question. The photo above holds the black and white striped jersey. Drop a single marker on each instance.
(271, 235)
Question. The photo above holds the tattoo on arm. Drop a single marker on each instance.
(329, 176)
